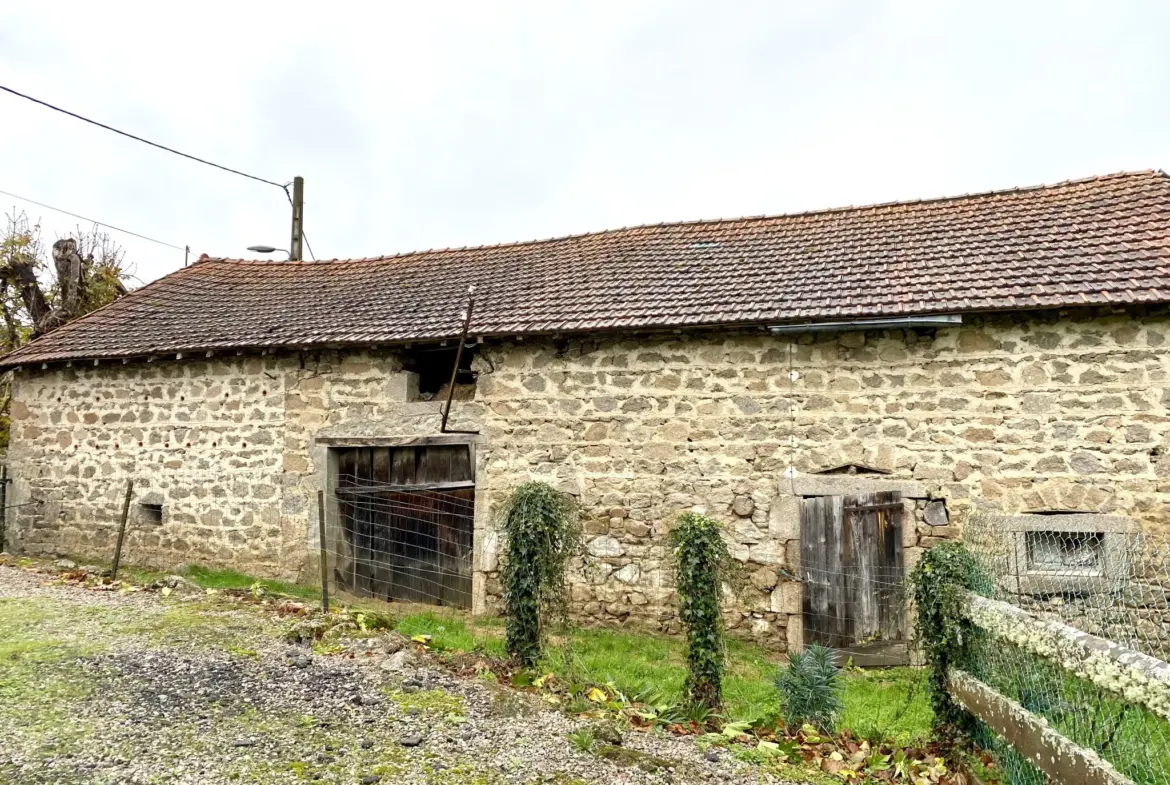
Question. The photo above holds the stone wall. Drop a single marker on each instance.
(1020, 412)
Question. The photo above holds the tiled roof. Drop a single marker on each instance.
(1100, 240)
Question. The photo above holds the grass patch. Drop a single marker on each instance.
(208, 623)
(451, 633)
(890, 704)
(40, 679)
(230, 579)
(429, 702)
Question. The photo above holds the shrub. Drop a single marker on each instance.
(541, 534)
(702, 564)
(811, 688)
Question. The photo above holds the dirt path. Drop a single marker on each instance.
(109, 687)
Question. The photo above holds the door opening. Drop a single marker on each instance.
(852, 569)
(407, 517)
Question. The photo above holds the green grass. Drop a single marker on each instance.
(891, 703)
(451, 633)
(230, 579)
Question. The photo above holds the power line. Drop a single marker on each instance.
(48, 105)
(92, 221)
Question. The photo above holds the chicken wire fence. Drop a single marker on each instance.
(400, 544)
(1111, 584)
(863, 614)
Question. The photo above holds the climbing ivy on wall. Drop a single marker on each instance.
(541, 533)
(702, 564)
(940, 583)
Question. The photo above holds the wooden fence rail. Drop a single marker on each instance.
(1134, 677)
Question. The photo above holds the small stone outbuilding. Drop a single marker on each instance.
(881, 370)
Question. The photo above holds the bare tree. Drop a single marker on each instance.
(87, 270)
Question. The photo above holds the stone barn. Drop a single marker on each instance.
(840, 387)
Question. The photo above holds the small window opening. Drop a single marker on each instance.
(1073, 552)
(151, 513)
(433, 365)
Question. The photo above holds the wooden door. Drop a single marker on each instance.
(407, 514)
(852, 569)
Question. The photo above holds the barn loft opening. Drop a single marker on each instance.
(433, 366)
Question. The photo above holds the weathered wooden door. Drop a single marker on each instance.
(852, 569)
(407, 515)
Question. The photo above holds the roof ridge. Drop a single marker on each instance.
(710, 221)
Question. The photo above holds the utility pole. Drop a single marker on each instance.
(298, 219)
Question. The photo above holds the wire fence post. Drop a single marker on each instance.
(324, 557)
(121, 530)
(3, 504)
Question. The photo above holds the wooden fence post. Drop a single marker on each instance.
(122, 530)
(324, 557)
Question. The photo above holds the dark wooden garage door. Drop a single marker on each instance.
(407, 514)
(852, 569)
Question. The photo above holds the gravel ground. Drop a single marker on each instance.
(110, 687)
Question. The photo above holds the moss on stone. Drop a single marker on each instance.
(428, 701)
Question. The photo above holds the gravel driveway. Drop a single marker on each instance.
(113, 687)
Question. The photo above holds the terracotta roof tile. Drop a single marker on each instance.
(1101, 240)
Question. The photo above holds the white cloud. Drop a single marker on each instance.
(432, 125)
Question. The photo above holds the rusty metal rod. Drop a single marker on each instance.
(458, 358)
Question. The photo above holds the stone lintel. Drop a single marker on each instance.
(1070, 522)
(399, 441)
(850, 485)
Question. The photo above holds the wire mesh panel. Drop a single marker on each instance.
(404, 523)
(405, 546)
(1109, 583)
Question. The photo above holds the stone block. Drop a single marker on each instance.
(910, 558)
(850, 484)
(765, 579)
(768, 552)
(909, 529)
(605, 547)
(635, 529)
(794, 633)
(743, 506)
(787, 597)
(631, 573)
(784, 518)
(792, 555)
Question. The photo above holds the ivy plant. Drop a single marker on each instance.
(702, 565)
(940, 583)
(541, 533)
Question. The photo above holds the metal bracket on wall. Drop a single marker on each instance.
(458, 357)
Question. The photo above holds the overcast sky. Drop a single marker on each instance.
(420, 125)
